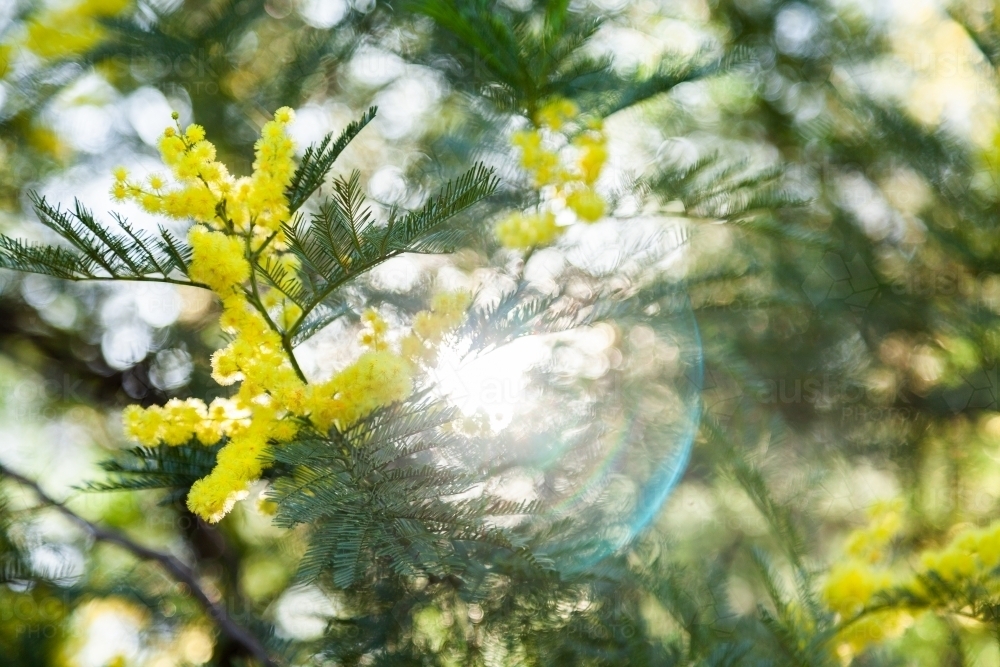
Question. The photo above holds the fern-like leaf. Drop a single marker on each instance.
(383, 491)
(343, 240)
(319, 159)
(163, 467)
(98, 253)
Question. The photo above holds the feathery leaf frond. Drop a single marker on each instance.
(318, 160)
(343, 240)
(174, 468)
(98, 253)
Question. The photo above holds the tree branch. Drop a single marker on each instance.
(178, 570)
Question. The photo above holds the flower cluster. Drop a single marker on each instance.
(238, 224)
(430, 327)
(253, 206)
(971, 557)
(852, 585)
(564, 171)
(382, 376)
(869, 544)
(176, 422)
(943, 579)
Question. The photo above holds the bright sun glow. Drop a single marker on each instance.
(495, 384)
(498, 385)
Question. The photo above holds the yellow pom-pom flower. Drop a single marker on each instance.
(556, 113)
(238, 221)
(851, 585)
(217, 260)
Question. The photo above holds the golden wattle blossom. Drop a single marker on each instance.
(238, 223)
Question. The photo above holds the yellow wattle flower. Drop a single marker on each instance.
(217, 260)
(556, 113)
(851, 585)
(376, 379)
(70, 30)
(234, 218)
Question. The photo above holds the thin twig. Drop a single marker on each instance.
(178, 570)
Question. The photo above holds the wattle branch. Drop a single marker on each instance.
(174, 567)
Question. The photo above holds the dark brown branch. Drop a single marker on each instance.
(178, 570)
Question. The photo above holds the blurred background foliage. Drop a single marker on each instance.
(832, 169)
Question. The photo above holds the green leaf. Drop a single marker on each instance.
(383, 492)
(97, 252)
(319, 159)
(343, 240)
(163, 467)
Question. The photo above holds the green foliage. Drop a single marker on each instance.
(381, 496)
(716, 188)
(98, 252)
(174, 468)
(343, 240)
(525, 58)
(14, 565)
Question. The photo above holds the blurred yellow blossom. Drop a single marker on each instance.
(47, 141)
(940, 579)
(869, 543)
(587, 204)
(70, 29)
(562, 175)
(850, 586)
(527, 230)
(556, 113)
